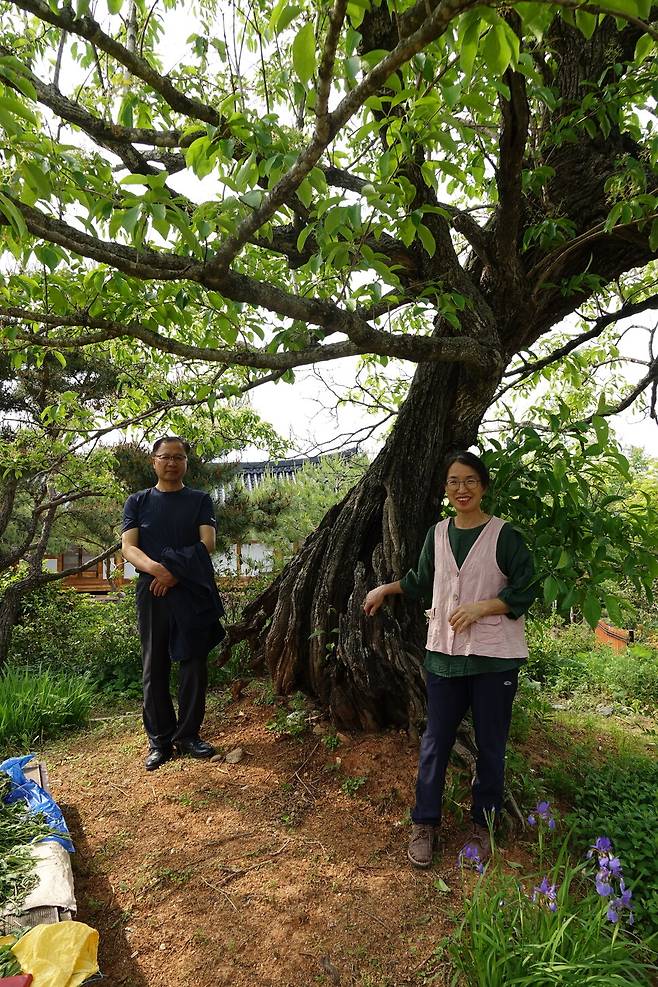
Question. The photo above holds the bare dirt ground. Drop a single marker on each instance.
(288, 868)
(282, 869)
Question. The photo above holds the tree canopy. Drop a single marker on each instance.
(290, 184)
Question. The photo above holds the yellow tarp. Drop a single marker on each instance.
(59, 955)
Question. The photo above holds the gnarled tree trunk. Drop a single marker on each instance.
(309, 624)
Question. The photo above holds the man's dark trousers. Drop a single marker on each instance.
(160, 722)
(489, 695)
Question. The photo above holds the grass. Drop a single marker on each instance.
(38, 705)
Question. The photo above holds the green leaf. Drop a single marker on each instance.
(591, 609)
(283, 16)
(14, 216)
(614, 610)
(469, 49)
(303, 53)
(564, 559)
(114, 6)
(551, 590)
(427, 239)
(643, 48)
(441, 886)
(243, 174)
(586, 23)
(536, 17)
(303, 236)
(130, 218)
(496, 50)
(9, 103)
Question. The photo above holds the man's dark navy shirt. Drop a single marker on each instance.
(167, 519)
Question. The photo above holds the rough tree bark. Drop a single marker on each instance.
(308, 626)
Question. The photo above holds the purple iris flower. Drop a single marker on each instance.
(626, 894)
(469, 854)
(614, 866)
(543, 811)
(612, 915)
(603, 844)
(546, 893)
(603, 887)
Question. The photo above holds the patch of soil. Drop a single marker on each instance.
(288, 868)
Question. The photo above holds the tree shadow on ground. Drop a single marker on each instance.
(98, 907)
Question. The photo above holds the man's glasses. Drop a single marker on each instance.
(471, 482)
(171, 459)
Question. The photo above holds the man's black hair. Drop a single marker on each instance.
(171, 438)
(466, 459)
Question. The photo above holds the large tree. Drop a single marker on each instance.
(440, 182)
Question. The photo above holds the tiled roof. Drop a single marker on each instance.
(254, 474)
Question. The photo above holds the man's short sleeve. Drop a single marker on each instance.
(207, 512)
(131, 513)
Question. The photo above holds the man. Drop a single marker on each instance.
(178, 606)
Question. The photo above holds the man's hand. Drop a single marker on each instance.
(158, 588)
(162, 575)
(465, 615)
(162, 581)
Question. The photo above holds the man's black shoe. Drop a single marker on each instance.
(157, 758)
(195, 748)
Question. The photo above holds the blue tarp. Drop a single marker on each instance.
(37, 799)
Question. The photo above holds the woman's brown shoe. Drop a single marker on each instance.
(421, 844)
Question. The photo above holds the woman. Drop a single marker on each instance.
(479, 574)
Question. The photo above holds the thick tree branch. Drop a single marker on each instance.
(38, 551)
(9, 559)
(149, 264)
(9, 489)
(415, 348)
(515, 120)
(99, 130)
(478, 238)
(50, 577)
(326, 69)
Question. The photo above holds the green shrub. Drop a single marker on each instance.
(34, 706)
(77, 633)
(569, 661)
(620, 798)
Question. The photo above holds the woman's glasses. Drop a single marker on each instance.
(471, 482)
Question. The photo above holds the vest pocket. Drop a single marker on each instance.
(487, 630)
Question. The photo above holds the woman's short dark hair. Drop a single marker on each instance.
(466, 459)
(171, 438)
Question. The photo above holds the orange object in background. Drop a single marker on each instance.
(614, 637)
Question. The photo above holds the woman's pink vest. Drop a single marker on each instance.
(478, 579)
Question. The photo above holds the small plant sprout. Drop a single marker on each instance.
(352, 785)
